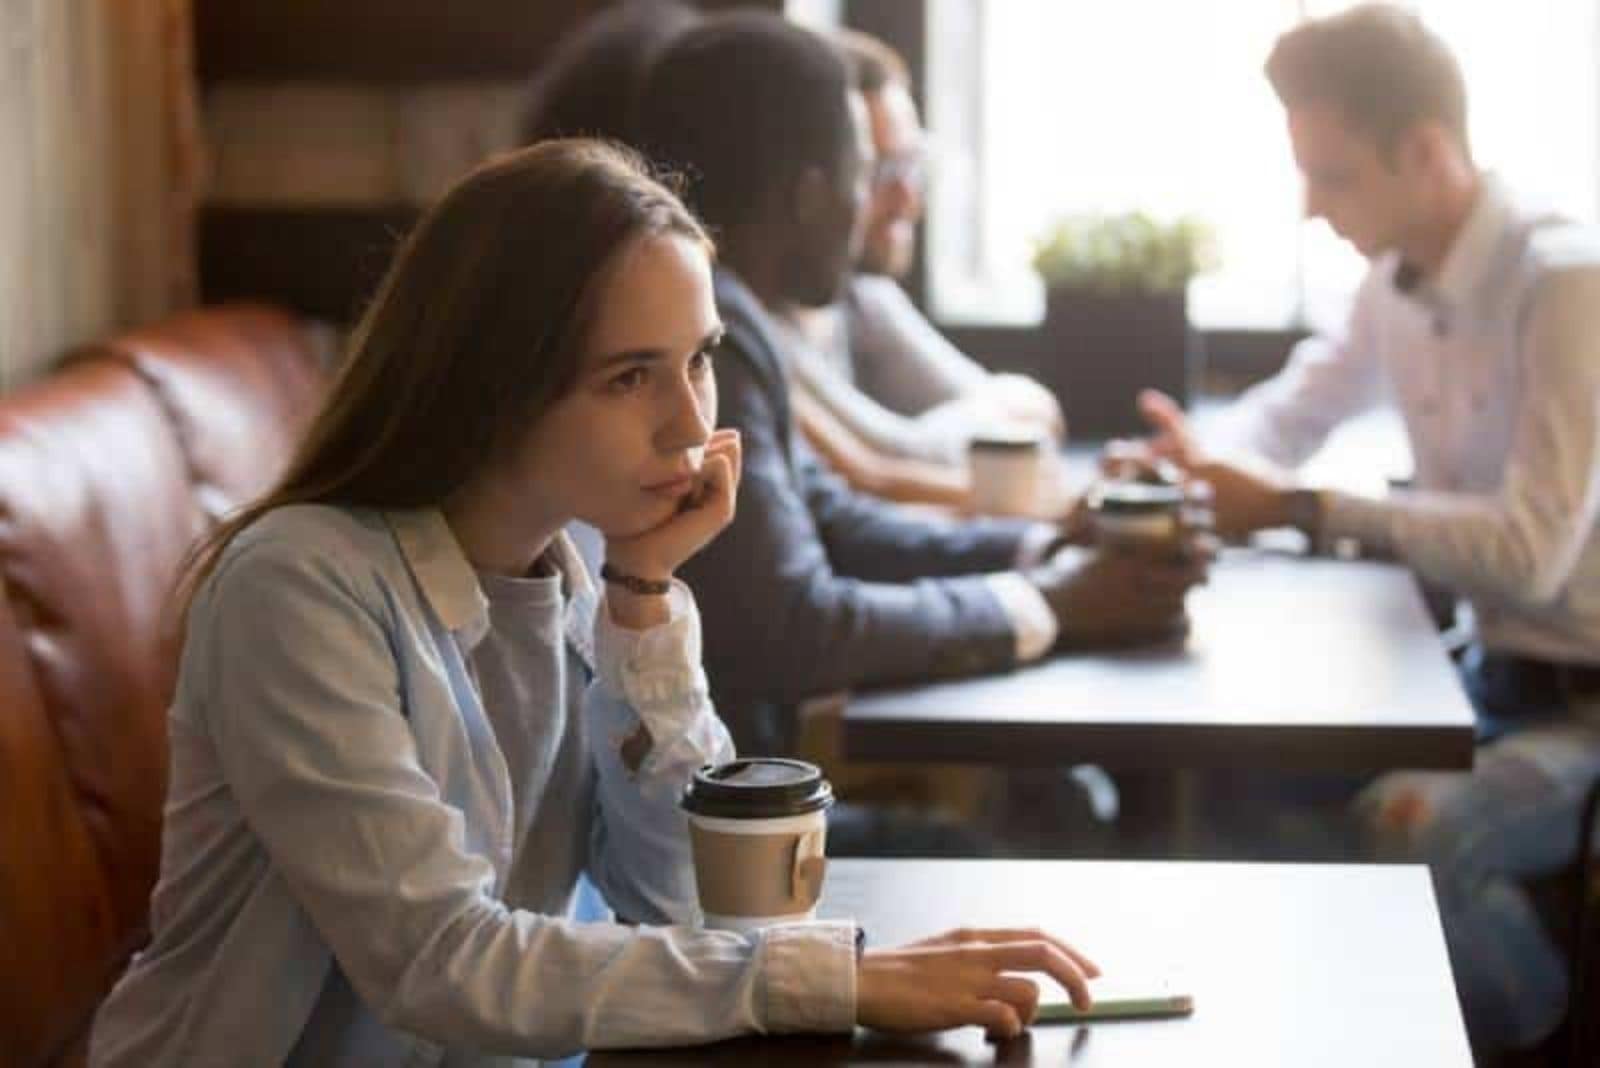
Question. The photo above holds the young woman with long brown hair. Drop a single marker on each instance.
(386, 774)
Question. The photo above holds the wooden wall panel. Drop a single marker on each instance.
(387, 41)
(378, 41)
(324, 260)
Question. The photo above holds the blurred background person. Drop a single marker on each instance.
(1480, 318)
(878, 391)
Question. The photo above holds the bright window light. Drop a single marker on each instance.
(1039, 108)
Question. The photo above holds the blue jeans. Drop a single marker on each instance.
(1484, 833)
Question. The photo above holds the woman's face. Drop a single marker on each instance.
(623, 448)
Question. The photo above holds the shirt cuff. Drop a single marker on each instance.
(1036, 543)
(1032, 621)
(809, 976)
(1364, 520)
(656, 669)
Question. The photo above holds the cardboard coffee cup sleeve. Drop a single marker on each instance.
(758, 830)
(809, 869)
(747, 875)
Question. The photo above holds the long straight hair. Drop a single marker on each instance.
(477, 329)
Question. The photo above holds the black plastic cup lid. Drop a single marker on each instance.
(1005, 441)
(1136, 498)
(757, 788)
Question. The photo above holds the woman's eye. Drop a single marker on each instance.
(630, 380)
(700, 362)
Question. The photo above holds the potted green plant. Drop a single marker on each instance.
(1117, 314)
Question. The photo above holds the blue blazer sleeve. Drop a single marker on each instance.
(812, 589)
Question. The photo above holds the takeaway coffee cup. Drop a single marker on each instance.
(758, 828)
(1145, 517)
(1137, 514)
(1006, 469)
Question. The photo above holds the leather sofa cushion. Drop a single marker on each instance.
(96, 516)
(61, 944)
(239, 383)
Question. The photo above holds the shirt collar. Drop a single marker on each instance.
(447, 580)
(1471, 258)
(569, 565)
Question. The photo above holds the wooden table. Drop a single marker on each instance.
(1316, 966)
(1292, 664)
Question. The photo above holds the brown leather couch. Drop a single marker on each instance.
(109, 470)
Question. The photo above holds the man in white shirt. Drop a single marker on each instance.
(1481, 319)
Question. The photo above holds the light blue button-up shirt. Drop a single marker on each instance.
(347, 873)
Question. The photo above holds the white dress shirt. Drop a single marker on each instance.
(1494, 365)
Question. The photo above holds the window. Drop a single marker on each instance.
(1038, 108)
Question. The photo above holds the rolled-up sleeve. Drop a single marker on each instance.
(640, 853)
(650, 680)
(303, 691)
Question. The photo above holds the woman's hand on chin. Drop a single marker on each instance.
(656, 554)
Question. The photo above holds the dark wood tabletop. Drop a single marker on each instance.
(1291, 664)
(1316, 966)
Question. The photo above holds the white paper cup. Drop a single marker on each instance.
(1007, 473)
(758, 831)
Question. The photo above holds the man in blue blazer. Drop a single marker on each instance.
(816, 588)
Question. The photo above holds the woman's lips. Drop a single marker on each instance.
(672, 488)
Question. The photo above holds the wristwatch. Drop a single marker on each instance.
(1304, 509)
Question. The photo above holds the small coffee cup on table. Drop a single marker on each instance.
(1138, 515)
(758, 831)
(1007, 470)
(1148, 518)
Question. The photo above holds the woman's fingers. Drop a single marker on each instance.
(726, 443)
(1089, 967)
(722, 442)
(1001, 935)
(722, 485)
(1042, 956)
(733, 448)
(969, 976)
(1020, 993)
(997, 1018)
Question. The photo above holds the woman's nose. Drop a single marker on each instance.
(692, 418)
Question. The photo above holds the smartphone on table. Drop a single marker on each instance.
(1119, 999)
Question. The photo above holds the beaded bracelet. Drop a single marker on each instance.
(633, 583)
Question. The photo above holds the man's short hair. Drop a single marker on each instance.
(876, 64)
(1378, 65)
(590, 83)
(742, 104)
